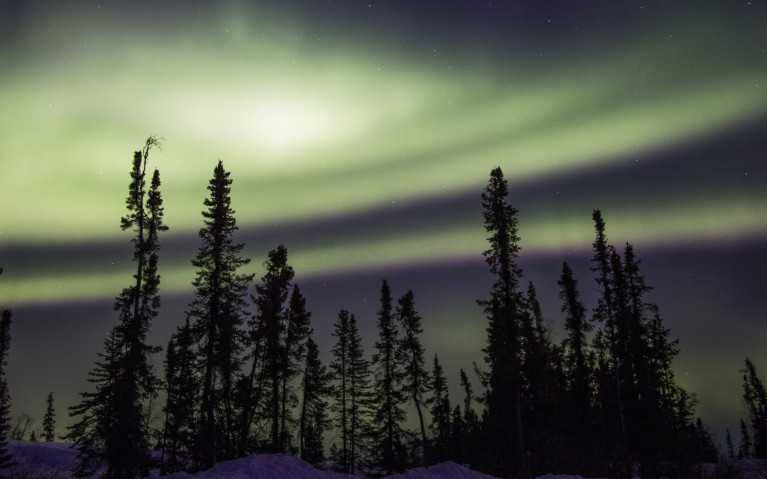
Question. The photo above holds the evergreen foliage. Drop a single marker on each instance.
(113, 424)
(576, 356)
(181, 386)
(604, 402)
(415, 375)
(441, 420)
(279, 333)
(647, 414)
(755, 396)
(388, 392)
(314, 419)
(504, 351)
(49, 420)
(746, 448)
(351, 374)
(6, 459)
(297, 333)
(219, 311)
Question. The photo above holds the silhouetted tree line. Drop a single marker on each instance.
(753, 429)
(6, 460)
(243, 375)
(604, 401)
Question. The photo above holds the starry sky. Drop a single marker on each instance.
(360, 134)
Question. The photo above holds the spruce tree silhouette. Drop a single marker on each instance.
(49, 420)
(314, 419)
(755, 396)
(112, 425)
(415, 377)
(6, 459)
(388, 393)
(297, 331)
(503, 354)
(441, 427)
(351, 376)
(181, 387)
(218, 312)
(282, 332)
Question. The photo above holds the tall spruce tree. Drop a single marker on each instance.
(113, 424)
(351, 374)
(746, 447)
(469, 415)
(576, 352)
(359, 396)
(6, 459)
(503, 354)
(416, 377)
(314, 419)
(542, 388)
(441, 424)
(273, 322)
(218, 311)
(755, 396)
(607, 343)
(339, 368)
(297, 333)
(647, 414)
(388, 392)
(49, 420)
(181, 386)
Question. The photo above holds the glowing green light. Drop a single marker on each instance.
(314, 134)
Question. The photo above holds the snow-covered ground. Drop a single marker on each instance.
(44, 460)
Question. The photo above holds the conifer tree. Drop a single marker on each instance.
(351, 373)
(648, 414)
(441, 423)
(49, 420)
(503, 354)
(606, 343)
(314, 420)
(6, 459)
(297, 332)
(339, 368)
(469, 415)
(113, 425)
(181, 386)
(218, 311)
(746, 448)
(388, 392)
(272, 322)
(416, 377)
(576, 348)
(730, 447)
(755, 395)
(359, 395)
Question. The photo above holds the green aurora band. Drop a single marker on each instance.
(312, 132)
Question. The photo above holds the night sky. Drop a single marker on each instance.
(360, 134)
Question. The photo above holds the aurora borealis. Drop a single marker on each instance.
(360, 135)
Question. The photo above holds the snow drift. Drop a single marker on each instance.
(45, 460)
(267, 466)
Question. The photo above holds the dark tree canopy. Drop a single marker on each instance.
(218, 311)
(388, 393)
(49, 420)
(113, 426)
(6, 460)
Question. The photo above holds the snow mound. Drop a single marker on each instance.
(558, 476)
(47, 460)
(41, 460)
(266, 466)
(277, 466)
(443, 470)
